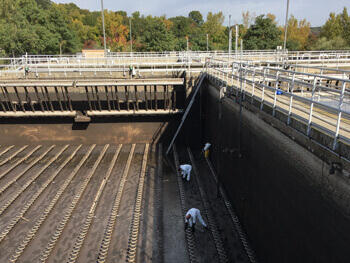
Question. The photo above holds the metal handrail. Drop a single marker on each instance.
(250, 79)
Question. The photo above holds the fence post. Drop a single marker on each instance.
(336, 134)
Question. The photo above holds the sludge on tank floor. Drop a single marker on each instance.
(109, 203)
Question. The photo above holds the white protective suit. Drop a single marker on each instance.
(195, 214)
(186, 170)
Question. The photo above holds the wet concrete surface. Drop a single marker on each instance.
(175, 245)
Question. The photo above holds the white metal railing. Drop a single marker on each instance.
(320, 101)
(56, 63)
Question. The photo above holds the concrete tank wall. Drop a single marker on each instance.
(112, 130)
(291, 207)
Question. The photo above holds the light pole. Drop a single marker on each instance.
(236, 44)
(103, 25)
(285, 30)
(207, 43)
(187, 44)
(229, 39)
(130, 37)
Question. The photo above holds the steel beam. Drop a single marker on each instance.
(126, 113)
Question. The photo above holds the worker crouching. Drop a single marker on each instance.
(191, 217)
(185, 170)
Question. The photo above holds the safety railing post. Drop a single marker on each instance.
(311, 107)
(245, 82)
(253, 87)
(291, 100)
(263, 90)
(275, 95)
(48, 65)
(336, 134)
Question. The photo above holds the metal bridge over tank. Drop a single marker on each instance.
(83, 99)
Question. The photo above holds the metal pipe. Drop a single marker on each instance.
(103, 25)
(236, 44)
(229, 39)
(285, 30)
(125, 112)
(130, 37)
(207, 43)
(38, 114)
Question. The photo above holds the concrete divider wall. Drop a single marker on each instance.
(291, 207)
(113, 130)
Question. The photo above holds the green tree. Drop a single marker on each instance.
(45, 4)
(337, 43)
(34, 29)
(216, 31)
(248, 19)
(337, 27)
(125, 17)
(157, 35)
(297, 34)
(263, 34)
(90, 19)
(332, 28)
(181, 26)
(197, 17)
(116, 32)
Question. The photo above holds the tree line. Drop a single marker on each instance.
(44, 27)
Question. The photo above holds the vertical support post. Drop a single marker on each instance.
(87, 95)
(263, 90)
(117, 97)
(236, 43)
(9, 99)
(38, 97)
(146, 99)
(127, 97)
(229, 39)
(136, 98)
(68, 99)
(103, 25)
(336, 134)
(311, 107)
(48, 98)
(253, 87)
(291, 100)
(112, 98)
(19, 100)
(207, 43)
(275, 96)
(245, 82)
(155, 98)
(107, 96)
(219, 148)
(285, 31)
(174, 97)
(44, 98)
(130, 38)
(29, 99)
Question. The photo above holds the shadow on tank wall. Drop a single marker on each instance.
(113, 130)
(291, 207)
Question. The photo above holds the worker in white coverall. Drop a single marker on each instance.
(185, 169)
(191, 217)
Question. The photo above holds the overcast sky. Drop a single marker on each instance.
(315, 11)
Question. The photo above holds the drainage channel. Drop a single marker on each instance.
(243, 236)
(135, 223)
(82, 234)
(211, 220)
(114, 211)
(70, 210)
(160, 207)
(191, 245)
